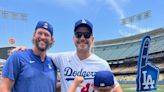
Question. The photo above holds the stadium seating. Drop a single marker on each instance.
(126, 50)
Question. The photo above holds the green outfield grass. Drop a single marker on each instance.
(132, 88)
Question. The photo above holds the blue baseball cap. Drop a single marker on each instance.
(104, 79)
(83, 22)
(45, 25)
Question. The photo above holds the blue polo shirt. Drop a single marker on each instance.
(29, 73)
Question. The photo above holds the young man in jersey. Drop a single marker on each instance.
(103, 82)
(31, 70)
(81, 62)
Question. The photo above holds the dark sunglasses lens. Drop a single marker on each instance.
(78, 34)
(87, 34)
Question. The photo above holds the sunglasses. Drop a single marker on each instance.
(86, 34)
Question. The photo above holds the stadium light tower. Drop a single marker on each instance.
(11, 15)
(136, 18)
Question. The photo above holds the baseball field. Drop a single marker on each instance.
(132, 88)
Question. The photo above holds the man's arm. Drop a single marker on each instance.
(58, 87)
(18, 48)
(6, 85)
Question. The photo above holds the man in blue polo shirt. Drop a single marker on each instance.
(31, 70)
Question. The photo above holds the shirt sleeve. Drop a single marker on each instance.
(55, 58)
(11, 68)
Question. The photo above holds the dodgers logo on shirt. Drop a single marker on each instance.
(32, 61)
(71, 73)
(147, 73)
(49, 66)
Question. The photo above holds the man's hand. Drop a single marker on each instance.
(18, 48)
(78, 80)
(76, 83)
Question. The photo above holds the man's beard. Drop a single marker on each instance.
(36, 42)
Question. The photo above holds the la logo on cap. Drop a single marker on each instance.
(83, 21)
(45, 25)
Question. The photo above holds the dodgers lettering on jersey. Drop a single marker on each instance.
(70, 73)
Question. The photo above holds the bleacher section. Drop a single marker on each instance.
(5, 51)
(122, 54)
(133, 77)
(126, 78)
(123, 50)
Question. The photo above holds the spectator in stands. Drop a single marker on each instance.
(103, 82)
(31, 70)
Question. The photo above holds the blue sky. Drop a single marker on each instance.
(105, 16)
